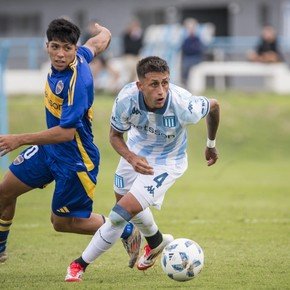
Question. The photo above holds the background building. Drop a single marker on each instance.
(237, 25)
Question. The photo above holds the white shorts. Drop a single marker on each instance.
(149, 190)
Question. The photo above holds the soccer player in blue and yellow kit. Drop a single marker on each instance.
(65, 152)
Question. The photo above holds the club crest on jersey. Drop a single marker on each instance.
(169, 121)
(59, 87)
(18, 160)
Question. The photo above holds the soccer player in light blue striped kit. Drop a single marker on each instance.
(155, 114)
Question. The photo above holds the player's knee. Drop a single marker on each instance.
(5, 196)
(59, 225)
(119, 216)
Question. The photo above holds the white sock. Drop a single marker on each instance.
(144, 220)
(103, 239)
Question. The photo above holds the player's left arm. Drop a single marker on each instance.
(100, 41)
(212, 121)
(53, 135)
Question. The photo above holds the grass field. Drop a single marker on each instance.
(237, 210)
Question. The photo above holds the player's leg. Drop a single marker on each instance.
(126, 179)
(151, 190)
(72, 201)
(28, 171)
(106, 236)
(131, 239)
(86, 226)
(10, 188)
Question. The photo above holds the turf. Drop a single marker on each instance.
(237, 210)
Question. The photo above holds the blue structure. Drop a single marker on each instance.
(3, 99)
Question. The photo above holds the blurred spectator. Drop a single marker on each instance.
(132, 44)
(192, 49)
(267, 50)
(105, 75)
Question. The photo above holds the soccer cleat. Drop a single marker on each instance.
(148, 259)
(132, 245)
(3, 257)
(74, 272)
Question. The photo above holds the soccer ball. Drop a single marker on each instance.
(182, 259)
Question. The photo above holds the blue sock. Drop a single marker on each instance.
(127, 231)
(4, 231)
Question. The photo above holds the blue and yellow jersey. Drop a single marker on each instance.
(69, 97)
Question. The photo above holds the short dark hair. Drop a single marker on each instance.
(151, 64)
(63, 30)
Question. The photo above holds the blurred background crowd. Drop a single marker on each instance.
(184, 32)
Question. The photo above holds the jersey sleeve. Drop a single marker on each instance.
(86, 53)
(120, 115)
(193, 109)
(189, 109)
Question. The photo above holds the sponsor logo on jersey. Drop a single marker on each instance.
(203, 110)
(135, 111)
(59, 87)
(53, 103)
(190, 107)
(152, 130)
(18, 160)
(169, 121)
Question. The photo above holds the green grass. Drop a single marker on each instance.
(237, 210)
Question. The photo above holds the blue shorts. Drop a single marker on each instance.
(74, 189)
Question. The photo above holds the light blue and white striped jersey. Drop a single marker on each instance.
(160, 136)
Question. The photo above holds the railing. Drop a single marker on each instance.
(30, 53)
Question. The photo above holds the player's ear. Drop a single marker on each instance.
(47, 44)
(139, 85)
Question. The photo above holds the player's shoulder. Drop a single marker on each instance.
(129, 92)
(179, 91)
(84, 54)
(181, 94)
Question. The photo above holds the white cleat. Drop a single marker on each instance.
(148, 259)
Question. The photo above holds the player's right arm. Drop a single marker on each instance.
(139, 163)
(53, 135)
(100, 41)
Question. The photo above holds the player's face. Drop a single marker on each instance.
(61, 54)
(154, 87)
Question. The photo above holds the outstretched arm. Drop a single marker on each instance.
(100, 41)
(139, 163)
(212, 121)
(53, 135)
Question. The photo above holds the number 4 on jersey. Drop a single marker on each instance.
(160, 179)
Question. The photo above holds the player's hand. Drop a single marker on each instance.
(141, 165)
(211, 155)
(8, 143)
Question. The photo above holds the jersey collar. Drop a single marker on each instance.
(144, 107)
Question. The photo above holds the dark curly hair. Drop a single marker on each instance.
(63, 30)
(151, 64)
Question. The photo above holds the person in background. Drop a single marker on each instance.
(101, 66)
(192, 49)
(132, 43)
(267, 50)
(65, 152)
